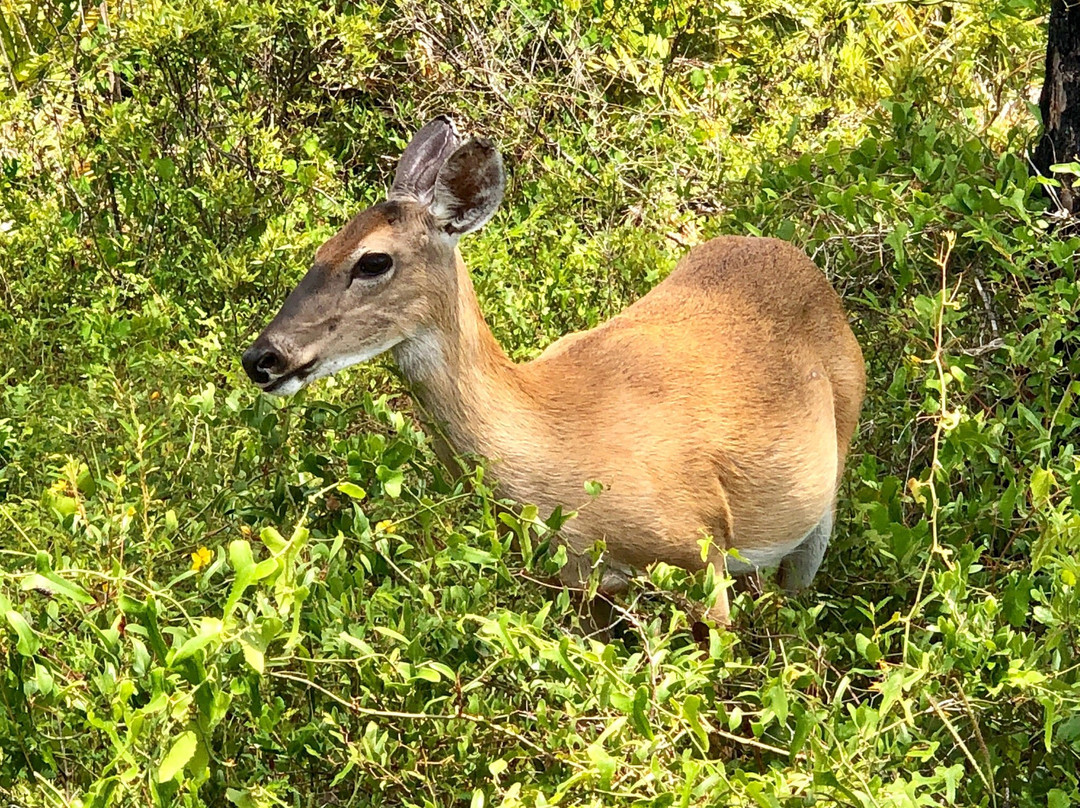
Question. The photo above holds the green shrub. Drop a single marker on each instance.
(215, 598)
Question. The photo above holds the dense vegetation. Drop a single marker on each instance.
(214, 598)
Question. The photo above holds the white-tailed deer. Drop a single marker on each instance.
(720, 405)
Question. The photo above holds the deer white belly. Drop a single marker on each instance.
(766, 557)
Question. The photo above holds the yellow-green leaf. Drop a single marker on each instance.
(253, 656)
(352, 489)
(1041, 482)
(181, 751)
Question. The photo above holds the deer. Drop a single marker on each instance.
(715, 412)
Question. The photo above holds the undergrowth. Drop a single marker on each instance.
(215, 598)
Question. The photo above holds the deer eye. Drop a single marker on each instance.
(369, 265)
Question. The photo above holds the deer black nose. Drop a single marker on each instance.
(260, 361)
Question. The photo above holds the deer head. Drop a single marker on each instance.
(390, 275)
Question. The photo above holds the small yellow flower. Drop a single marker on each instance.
(386, 526)
(200, 558)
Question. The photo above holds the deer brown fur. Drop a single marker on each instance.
(720, 406)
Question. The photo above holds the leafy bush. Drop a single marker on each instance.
(214, 598)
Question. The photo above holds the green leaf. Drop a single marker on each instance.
(778, 701)
(181, 751)
(1007, 504)
(241, 799)
(445, 670)
(761, 797)
(274, 541)
(265, 568)
(426, 674)
(803, 725)
(63, 505)
(153, 630)
(43, 678)
(868, 649)
(27, 644)
(165, 168)
(240, 557)
(1016, 599)
(605, 764)
(639, 714)
(1055, 797)
(394, 635)
(140, 655)
(356, 643)
(1041, 482)
(86, 483)
(352, 490)
(568, 665)
(690, 709)
(1066, 168)
(253, 656)
(54, 585)
(391, 479)
(209, 630)
(243, 565)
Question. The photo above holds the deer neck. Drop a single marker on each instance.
(467, 386)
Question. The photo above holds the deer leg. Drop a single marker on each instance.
(750, 583)
(603, 614)
(720, 611)
(799, 567)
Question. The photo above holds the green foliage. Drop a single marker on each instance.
(214, 598)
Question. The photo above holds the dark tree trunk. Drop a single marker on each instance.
(1060, 99)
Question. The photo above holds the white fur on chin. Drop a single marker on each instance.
(328, 367)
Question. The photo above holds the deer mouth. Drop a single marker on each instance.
(300, 374)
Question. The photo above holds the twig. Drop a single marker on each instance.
(937, 359)
(960, 741)
(980, 739)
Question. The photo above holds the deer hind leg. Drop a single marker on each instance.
(602, 616)
(798, 568)
(598, 614)
(749, 583)
(720, 612)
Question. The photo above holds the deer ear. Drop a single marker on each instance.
(423, 157)
(469, 188)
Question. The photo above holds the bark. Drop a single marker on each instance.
(1060, 99)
